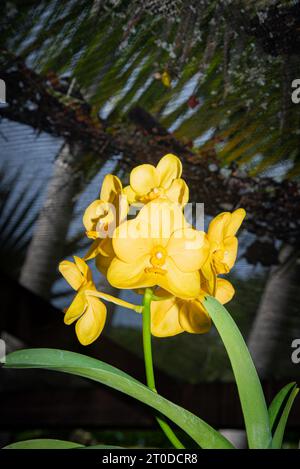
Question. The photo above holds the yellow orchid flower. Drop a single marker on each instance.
(87, 308)
(223, 245)
(88, 311)
(148, 182)
(174, 315)
(158, 247)
(101, 217)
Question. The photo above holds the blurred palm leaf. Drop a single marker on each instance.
(18, 214)
(14, 236)
(115, 51)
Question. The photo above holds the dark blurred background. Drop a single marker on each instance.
(98, 86)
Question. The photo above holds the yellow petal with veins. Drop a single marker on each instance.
(168, 168)
(164, 318)
(90, 325)
(193, 318)
(144, 178)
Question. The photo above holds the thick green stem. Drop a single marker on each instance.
(149, 365)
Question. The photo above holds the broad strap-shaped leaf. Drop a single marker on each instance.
(250, 391)
(96, 370)
(43, 443)
(49, 443)
(279, 432)
(276, 404)
(102, 447)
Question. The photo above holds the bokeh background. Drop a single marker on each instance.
(101, 86)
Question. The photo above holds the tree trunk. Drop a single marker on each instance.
(46, 248)
(271, 321)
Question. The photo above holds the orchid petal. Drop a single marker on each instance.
(144, 178)
(168, 168)
(71, 273)
(76, 308)
(178, 192)
(130, 275)
(193, 317)
(189, 249)
(181, 284)
(224, 291)
(164, 318)
(235, 222)
(90, 325)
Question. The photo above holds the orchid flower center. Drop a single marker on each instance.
(157, 260)
(153, 194)
(104, 221)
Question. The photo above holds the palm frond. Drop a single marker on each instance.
(114, 52)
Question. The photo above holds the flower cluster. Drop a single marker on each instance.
(157, 248)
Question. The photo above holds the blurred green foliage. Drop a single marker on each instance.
(231, 66)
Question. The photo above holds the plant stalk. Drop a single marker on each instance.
(149, 366)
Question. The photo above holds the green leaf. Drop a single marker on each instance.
(250, 391)
(279, 433)
(102, 447)
(96, 370)
(277, 402)
(48, 443)
(43, 443)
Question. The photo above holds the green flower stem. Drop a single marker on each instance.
(149, 365)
